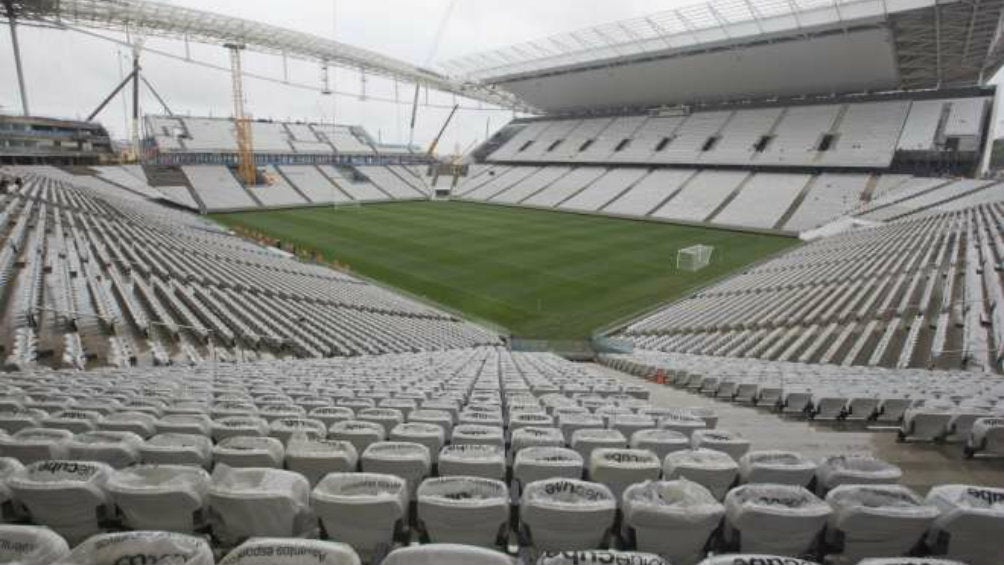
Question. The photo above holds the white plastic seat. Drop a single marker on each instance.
(36, 444)
(628, 424)
(178, 449)
(467, 510)
(441, 418)
(410, 461)
(714, 470)
(249, 451)
(909, 561)
(360, 434)
(774, 519)
(139, 423)
(432, 436)
(361, 509)
(674, 519)
(776, 467)
(566, 514)
(586, 440)
(285, 551)
(876, 520)
(839, 470)
(532, 436)
(446, 554)
(659, 441)
(160, 497)
(752, 558)
(125, 547)
(76, 421)
(31, 545)
(530, 420)
(928, 421)
(283, 428)
(472, 460)
(10, 509)
(196, 424)
(684, 422)
(969, 525)
(257, 502)
(118, 449)
(539, 463)
(14, 420)
(315, 458)
(620, 468)
(67, 496)
(331, 414)
(570, 423)
(598, 556)
(477, 433)
(239, 426)
(386, 417)
(721, 440)
(987, 436)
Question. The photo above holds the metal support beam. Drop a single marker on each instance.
(109, 98)
(157, 96)
(22, 88)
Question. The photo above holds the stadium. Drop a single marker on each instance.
(725, 287)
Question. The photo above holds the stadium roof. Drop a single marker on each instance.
(750, 49)
(165, 20)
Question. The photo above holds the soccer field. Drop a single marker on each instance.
(541, 274)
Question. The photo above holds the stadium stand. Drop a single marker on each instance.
(130, 279)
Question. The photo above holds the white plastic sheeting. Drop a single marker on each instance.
(467, 510)
(315, 458)
(987, 435)
(539, 463)
(839, 470)
(535, 436)
(754, 559)
(713, 470)
(67, 496)
(249, 451)
(877, 520)
(600, 556)
(8, 468)
(586, 440)
(117, 449)
(660, 442)
(672, 518)
(775, 519)
(254, 502)
(721, 440)
(432, 436)
(160, 497)
(178, 449)
(410, 461)
(777, 467)
(446, 554)
(567, 514)
(31, 545)
(474, 460)
(361, 509)
(29, 445)
(970, 524)
(142, 547)
(621, 468)
(281, 551)
(360, 434)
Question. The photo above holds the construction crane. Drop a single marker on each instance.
(247, 172)
(435, 142)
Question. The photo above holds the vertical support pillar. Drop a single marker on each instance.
(12, 19)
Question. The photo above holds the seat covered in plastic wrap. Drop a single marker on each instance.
(357, 432)
(118, 449)
(249, 451)
(586, 440)
(177, 449)
(432, 436)
(315, 458)
(839, 470)
(411, 461)
(969, 525)
(67, 496)
(671, 518)
(876, 521)
(621, 468)
(774, 519)
(600, 556)
(285, 551)
(160, 497)
(468, 510)
(446, 554)
(31, 545)
(473, 460)
(777, 467)
(478, 433)
(142, 547)
(361, 509)
(29, 445)
(721, 440)
(754, 559)
(714, 470)
(256, 502)
(659, 441)
(538, 463)
(566, 514)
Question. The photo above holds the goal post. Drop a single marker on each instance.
(694, 258)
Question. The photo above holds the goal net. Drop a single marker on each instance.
(694, 258)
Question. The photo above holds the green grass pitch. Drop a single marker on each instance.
(541, 274)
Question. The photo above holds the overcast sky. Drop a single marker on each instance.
(69, 73)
